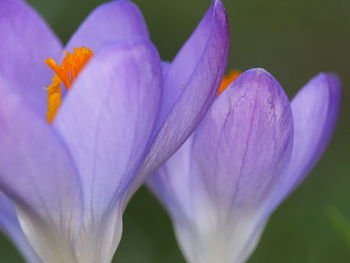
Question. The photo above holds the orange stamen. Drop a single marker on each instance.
(66, 74)
(227, 80)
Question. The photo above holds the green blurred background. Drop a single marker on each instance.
(294, 40)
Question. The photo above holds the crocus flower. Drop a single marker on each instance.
(70, 160)
(249, 152)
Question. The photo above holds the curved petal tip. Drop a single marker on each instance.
(332, 81)
(110, 22)
(256, 78)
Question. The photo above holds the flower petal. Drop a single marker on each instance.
(315, 112)
(37, 174)
(237, 156)
(106, 120)
(191, 83)
(251, 135)
(111, 22)
(10, 226)
(26, 41)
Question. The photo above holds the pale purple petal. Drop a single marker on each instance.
(111, 22)
(221, 186)
(10, 226)
(245, 141)
(191, 83)
(205, 53)
(106, 121)
(174, 190)
(26, 41)
(37, 174)
(315, 113)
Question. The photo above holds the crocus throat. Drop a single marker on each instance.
(66, 73)
(227, 80)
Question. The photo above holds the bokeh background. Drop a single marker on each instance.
(294, 40)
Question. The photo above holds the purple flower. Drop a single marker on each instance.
(249, 152)
(64, 186)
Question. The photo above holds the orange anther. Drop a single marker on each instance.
(66, 73)
(227, 80)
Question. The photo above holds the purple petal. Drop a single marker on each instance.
(315, 113)
(191, 83)
(37, 174)
(10, 226)
(242, 145)
(174, 190)
(26, 41)
(218, 190)
(245, 141)
(106, 120)
(111, 22)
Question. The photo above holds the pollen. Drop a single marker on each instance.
(65, 74)
(227, 80)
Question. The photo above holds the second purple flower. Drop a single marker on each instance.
(250, 151)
